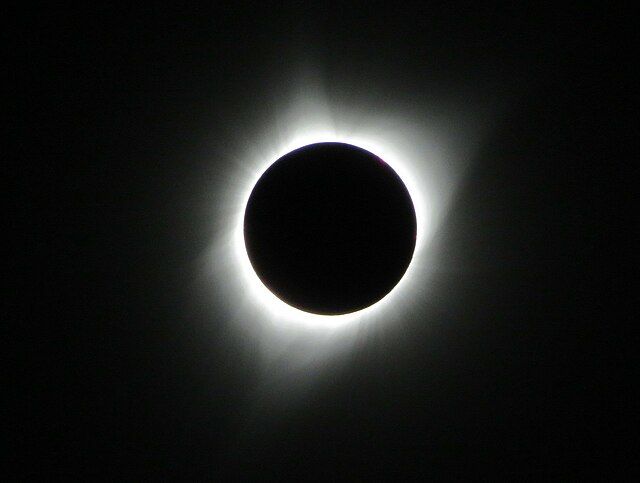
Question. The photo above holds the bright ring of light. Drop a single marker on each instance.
(280, 311)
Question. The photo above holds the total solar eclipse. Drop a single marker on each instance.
(330, 228)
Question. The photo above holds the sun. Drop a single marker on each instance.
(276, 309)
(429, 153)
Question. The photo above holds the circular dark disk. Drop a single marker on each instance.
(330, 228)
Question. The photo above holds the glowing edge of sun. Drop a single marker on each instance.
(281, 312)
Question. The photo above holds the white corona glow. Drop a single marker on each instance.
(278, 309)
(428, 152)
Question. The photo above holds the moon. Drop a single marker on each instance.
(330, 228)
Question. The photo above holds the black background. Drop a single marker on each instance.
(512, 370)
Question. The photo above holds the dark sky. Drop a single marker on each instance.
(125, 120)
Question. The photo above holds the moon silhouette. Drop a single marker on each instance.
(330, 228)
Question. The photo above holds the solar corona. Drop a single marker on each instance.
(324, 221)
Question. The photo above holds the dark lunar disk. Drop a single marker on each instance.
(330, 228)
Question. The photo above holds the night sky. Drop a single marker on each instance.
(137, 358)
